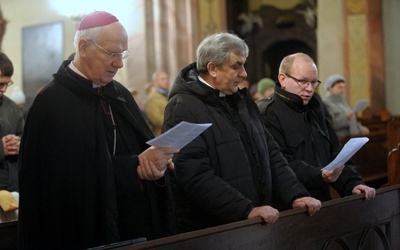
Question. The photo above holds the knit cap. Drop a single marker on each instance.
(333, 79)
(264, 84)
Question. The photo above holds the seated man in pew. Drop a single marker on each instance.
(294, 118)
(234, 169)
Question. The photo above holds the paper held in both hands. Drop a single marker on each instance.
(349, 149)
(179, 136)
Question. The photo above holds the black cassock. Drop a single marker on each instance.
(78, 182)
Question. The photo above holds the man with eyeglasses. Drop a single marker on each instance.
(87, 176)
(234, 170)
(294, 117)
(11, 127)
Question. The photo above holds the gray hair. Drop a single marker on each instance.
(87, 34)
(217, 48)
(156, 73)
(287, 62)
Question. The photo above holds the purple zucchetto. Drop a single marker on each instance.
(97, 19)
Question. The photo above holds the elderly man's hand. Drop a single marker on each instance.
(369, 191)
(331, 175)
(153, 162)
(267, 213)
(311, 203)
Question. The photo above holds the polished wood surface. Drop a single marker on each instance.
(393, 132)
(394, 166)
(371, 159)
(347, 223)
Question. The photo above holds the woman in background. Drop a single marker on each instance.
(344, 120)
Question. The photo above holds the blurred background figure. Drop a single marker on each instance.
(344, 120)
(157, 100)
(11, 127)
(135, 95)
(265, 87)
(253, 92)
(18, 96)
(244, 84)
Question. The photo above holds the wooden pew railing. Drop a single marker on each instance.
(394, 166)
(347, 223)
(393, 143)
(393, 132)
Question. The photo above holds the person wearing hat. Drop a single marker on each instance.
(265, 87)
(343, 119)
(87, 176)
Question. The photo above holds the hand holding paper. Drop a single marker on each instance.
(349, 149)
(179, 136)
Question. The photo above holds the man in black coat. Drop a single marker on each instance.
(295, 119)
(87, 177)
(234, 170)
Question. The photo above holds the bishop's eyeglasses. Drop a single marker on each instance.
(113, 55)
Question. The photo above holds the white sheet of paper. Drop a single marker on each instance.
(349, 149)
(360, 105)
(179, 136)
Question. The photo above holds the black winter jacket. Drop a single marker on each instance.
(215, 180)
(307, 141)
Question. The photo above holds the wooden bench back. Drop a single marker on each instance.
(394, 166)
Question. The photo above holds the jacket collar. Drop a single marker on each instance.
(84, 86)
(294, 101)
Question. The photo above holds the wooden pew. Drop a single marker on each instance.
(393, 132)
(371, 159)
(394, 166)
(346, 223)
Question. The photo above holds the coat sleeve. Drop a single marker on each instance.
(16, 122)
(307, 174)
(125, 169)
(349, 178)
(286, 184)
